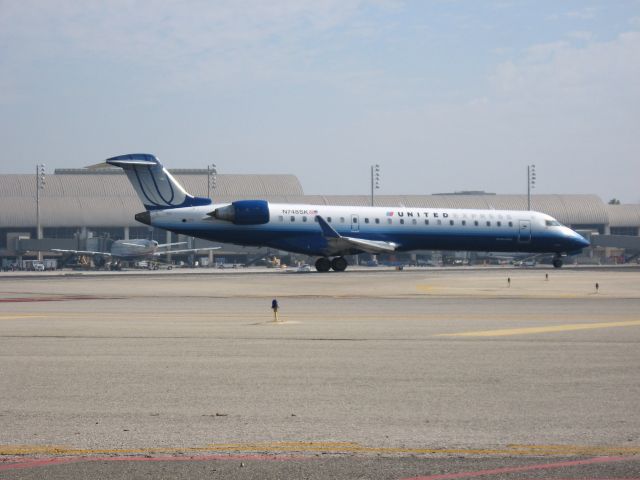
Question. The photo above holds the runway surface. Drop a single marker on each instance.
(367, 375)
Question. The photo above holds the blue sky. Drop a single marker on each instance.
(444, 95)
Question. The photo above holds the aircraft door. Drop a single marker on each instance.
(524, 234)
(355, 223)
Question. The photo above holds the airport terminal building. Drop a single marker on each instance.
(83, 208)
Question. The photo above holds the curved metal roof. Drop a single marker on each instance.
(108, 199)
(623, 215)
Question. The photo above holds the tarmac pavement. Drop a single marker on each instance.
(367, 375)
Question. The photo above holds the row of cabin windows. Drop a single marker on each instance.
(402, 222)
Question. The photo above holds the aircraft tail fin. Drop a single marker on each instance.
(155, 186)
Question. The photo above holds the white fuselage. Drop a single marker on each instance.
(294, 227)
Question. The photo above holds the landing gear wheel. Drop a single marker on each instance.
(323, 264)
(339, 264)
(557, 262)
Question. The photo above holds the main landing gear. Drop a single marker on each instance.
(338, 264)
(557, 261)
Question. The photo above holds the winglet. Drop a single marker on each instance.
(327, 230)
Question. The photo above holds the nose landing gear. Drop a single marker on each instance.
(338, 264)
(557, 261)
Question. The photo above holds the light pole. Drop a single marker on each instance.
(531, 183)
(40, 181)
(212, 172)
(375, 179)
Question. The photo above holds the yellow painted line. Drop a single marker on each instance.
(348, 447)
(327, 447)
(425, 288)
(16, 317)
(531, 330)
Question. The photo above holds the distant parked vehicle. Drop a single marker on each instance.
(525, 263)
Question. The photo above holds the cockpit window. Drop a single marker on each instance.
(552, 223)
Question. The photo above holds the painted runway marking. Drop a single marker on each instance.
(525, 468)
(17, 317)
(329, 447)
(531, 330)
(54, 299)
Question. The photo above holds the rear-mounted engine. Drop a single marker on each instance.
(244, 212)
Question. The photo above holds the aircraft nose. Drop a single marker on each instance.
(580, 241)
(585, 242)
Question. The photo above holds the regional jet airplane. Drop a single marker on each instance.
(131, 250)
(330, 232)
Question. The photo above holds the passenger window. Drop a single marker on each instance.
(329, 219)
(355, 220)
(475, 222)
(341, 219)
(402, 221)
(281, 218)
(293, 219)
(464, 222)
(426, 222)
(366, 220)
(304, 219)
(377, 220)
(439, 222)
(315, 219)
(499, 224)
(488, 224)
(450, 222)
(414, 221)
(511, 224)
(389, 221)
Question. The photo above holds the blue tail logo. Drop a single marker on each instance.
(155, 186)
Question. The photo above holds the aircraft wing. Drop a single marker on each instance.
(136, 245)
(186, 250)
(170, 244)
(82, 252)
(340, 244)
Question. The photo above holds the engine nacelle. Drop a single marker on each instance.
(244, 212)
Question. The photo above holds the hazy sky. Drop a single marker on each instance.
(445, 95)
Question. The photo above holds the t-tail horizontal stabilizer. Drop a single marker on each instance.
(155, 186)
(338, 244)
